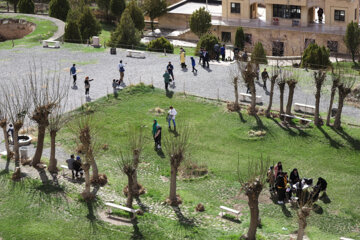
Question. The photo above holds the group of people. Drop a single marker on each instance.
(264, 77)
(219, 51)
(75, 166)
(285, 187)
(156, 128)
(87, 80)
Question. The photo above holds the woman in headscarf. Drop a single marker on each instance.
(294, 176)
(154, 127)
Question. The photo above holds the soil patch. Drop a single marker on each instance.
(11, 29)
(264, 197)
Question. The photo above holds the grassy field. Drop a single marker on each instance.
(44, 30)
(217, 138)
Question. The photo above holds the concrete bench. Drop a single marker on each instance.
(245, 97)
(296, 117)
(236, 212)
(126, 209)
(63, 168)
(46, 44)
(299, 107)
(135, 53)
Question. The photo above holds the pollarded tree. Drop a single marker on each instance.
(45, 94)
(26, 6)
(3, 124)
(291, 82)
(59, 9)
(88, 24)
(258, 55)
(126, 165)
(200, 22)
(176, 148)
(155, 9)
(117, 7)
(274, 76)
(252, 184)
(281, 82)
(248, 75)
(72, 32)
(137, 15)
(319, 78)
(335, 77)
(352, 39)
(235, 75)
(125, 33)
(240, 38)
(345, 86)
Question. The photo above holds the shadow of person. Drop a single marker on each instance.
(173, 131)
(160, 152)
(194, 73)
(286, 211)
(88, 99)
(325, 198)
(182, 219)
(169, 94)
(318, 209)
(74, 87)
(208, 69)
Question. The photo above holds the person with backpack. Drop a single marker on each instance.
(87, 86)
(222, 52)
(121, 67)
(170, 69)
(73, 73)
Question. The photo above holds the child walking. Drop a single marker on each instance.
(87, 86)
(193, 64)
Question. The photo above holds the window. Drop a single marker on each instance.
(339, 15)
(235, 7)
(286, 11)
(278, 48)
(333, 46)
(225, 36)
(308, 41)
(248, 38)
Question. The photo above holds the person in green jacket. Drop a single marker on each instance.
(166, 77)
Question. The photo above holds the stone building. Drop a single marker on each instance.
(285, 27)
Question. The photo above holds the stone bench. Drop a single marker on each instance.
(63, 168)
(46, 44)
(126, 209)
(135, 53)
(236, 212)
(246, 97)
(299, 107)
(296, 117)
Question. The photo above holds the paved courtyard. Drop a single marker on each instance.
(211, 83)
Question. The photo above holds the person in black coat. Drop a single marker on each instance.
(294, 176)
(280, 187)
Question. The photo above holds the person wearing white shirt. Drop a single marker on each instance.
(171, 116)
(121, 70)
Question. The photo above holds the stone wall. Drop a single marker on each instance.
(11, 29)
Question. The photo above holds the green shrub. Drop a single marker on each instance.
(26, 6)
(72, 32)
(259, 55)
(208, 42)
(240, 38)
(59, 9)
(316, 57)
(158, 45)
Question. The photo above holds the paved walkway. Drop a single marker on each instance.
(60, 24)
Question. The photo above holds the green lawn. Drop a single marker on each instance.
(44, 30)
(217, 139)
(190, 51)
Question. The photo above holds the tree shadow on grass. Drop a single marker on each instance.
(333, 143)
(136, 235)
(288, 127)
(92, 208)
(325, 198)
(259, 123)
(182, 219)
(286, 211)
(241, 116)
(142, 206)
(355, 143)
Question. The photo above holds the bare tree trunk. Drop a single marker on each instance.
(53, 162)
(303, 213)
(282, 89)
(135, 187)
(236, 91)
(332, 96)
(40, 145)
(6, 139)
(317, 106)
(290, 99)
(130, 195)
(268, 110)
(172, 196)
(253, 98)
(337, 122)
(254, 215)
(95, 171)
(16, 147)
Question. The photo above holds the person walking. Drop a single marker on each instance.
(157, 135)
(122, 71)
(182, 59)
(171, 117)
(222, 52)
(166, 77)
(170, 69)
(201, 55)
(73, 74)
(87, 86)
(193, 64)
(264, 76)
(206, 58)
